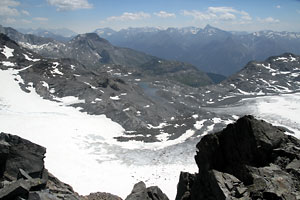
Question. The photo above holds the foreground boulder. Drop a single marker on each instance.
(140, 192)
(23, 175)
(250, 159)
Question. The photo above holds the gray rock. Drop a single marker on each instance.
(140, 192)
(185, 184)
(101, 196)
(19, 188)
(250, 159)
(25, 155)
(41, 196)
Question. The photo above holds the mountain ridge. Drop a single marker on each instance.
(204, 47)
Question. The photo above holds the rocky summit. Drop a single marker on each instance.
(250, 159)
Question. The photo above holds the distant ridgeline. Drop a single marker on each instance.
(210, 49)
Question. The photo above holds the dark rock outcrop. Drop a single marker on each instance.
(250, 159)
(23, 175)
(140, 192)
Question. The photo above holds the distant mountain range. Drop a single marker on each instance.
(62, 34)
(210, 49)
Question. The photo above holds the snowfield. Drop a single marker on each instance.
(81, 149)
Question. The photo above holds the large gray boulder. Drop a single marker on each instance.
(23, 175)
(250, 159)
(141, 192)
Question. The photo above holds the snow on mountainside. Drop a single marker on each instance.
(277, 35)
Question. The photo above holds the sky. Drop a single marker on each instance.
(84, 16)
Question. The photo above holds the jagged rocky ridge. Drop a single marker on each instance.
(250, 159)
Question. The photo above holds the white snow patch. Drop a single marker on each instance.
(243, 92)
(195, 116)
(30, 59)
(163, 137)
(115, 98)
(126, 109)
(69, 100)
(52, 90)
(161, 125)
(199, 124)
(56, 71)
(8, 52)
(7, 63)
(44, 84)
(217, 120)
(93, 87)
(281, 59)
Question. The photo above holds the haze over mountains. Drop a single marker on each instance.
(62, 34)
(210, 49)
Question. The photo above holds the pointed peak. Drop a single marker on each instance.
(209, 27)
(89, 36)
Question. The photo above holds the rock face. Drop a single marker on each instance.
(23, 174)
(140, 192)
(250, 159)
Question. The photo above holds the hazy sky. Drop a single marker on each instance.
(87, 15)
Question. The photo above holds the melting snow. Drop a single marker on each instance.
(126, 109)
(8, 64)
(69, 100)
(199, 124)
(30, 59)
(115, 98)
(8, 52)
(45, 84)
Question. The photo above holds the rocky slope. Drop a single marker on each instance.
(250, 159)
(276, 75)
